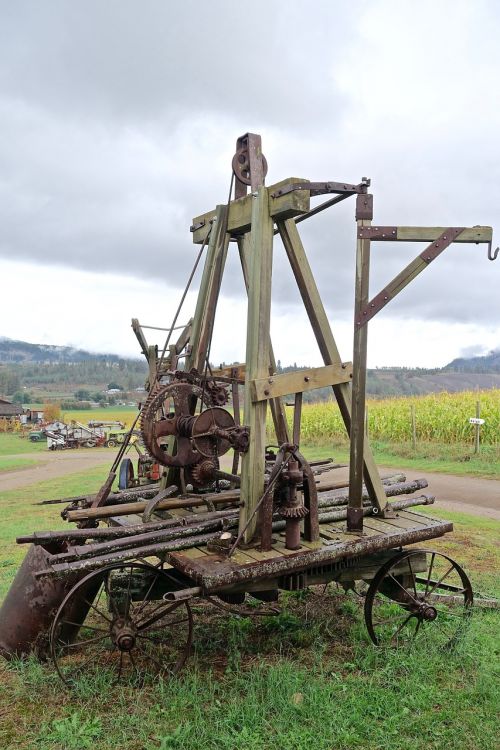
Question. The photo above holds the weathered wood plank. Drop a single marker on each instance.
(300, 381)
(277, 408)
(257, 358)
(429, 234)
(208, 295)
(240, 211)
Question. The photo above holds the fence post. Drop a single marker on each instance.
(413, 428)
(477, 428)
(366, 421)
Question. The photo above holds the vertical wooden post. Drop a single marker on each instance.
(208, 295)
(152, 364)
(413, 428)
(477, 427)
(257, 357)
(366, 422)
(360, 345)
(276, 404)
(327, 344)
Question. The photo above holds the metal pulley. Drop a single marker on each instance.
(249, 164)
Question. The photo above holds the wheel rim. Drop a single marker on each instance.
(125, 634)
(417, 593)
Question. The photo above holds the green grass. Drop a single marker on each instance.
(448, 459)
(11, 464)
(20, 514)
(308, 678)
(12, 444)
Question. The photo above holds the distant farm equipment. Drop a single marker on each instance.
(148, 470)
(60, 436)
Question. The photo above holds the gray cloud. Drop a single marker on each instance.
(119, 121)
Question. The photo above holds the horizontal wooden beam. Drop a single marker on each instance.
(300, 381)
(378, 233)
(282, 207)
(235, 372)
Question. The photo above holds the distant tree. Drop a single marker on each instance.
(51, 412)
(113, 386)
(82, 395)
(98, 396)
(10, 381)
(22, 397)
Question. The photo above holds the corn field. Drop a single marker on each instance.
(439, 417)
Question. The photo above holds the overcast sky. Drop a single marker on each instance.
(119, 121)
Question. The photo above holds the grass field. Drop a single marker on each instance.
(12, 464)
(12, 444)
(308, 678)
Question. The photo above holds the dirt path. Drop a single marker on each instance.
(480, 497)
(54, 464)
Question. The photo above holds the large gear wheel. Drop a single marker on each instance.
(165, 402)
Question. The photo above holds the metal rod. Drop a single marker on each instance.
(321, 207)
(159, 328)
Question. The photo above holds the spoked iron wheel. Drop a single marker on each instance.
(418, 592)
(127, 630)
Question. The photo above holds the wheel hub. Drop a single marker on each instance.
(427, 612)
(124, 635)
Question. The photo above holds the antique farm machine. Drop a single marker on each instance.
(239, 513)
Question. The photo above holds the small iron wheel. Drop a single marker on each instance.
(415, 591)
(110, 622)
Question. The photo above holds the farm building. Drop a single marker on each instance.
(9, 410)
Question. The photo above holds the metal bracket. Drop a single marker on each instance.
(198, 225)
(322, 188)
(389, 292)
(436, 248)
(378, 233)
(355, 519)
(364, 207)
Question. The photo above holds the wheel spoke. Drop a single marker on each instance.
(402, 626)
(90, 604)
(402, 588)
(144, 602)
(429, 577)
(447, 612)
(84, 643)
(390, 620)
(154, 617)
(412, 576)
(151, 658)
(438, 583)
(82, 625)
(108, 594)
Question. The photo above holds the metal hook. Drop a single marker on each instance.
(492, 255)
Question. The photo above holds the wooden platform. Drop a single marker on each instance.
(215, 572)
